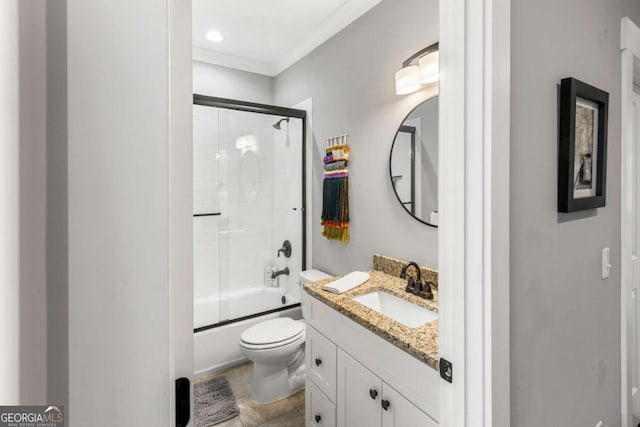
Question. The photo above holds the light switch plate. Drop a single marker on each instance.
(606, 263)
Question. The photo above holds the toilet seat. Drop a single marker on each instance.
(295, 340)
(272, 333)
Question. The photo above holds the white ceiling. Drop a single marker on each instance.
(268, 36)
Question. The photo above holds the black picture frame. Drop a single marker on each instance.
(578, 190)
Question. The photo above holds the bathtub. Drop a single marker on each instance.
(217, 347)
(245, 302)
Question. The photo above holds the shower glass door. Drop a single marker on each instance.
(248, 200)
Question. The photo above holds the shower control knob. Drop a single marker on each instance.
(285, 249)
(318, 418)
(318, 361)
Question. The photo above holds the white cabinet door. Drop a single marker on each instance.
(359, 394)
(319, 411)
(400, 412)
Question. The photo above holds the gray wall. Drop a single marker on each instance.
(351, 80)
(9, 201)
(23, 150)
(57, 224)
(37, 359)
(223, 82)
(23, 340)
(565, 332)
(33, 208)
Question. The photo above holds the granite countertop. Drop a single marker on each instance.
(420, 342)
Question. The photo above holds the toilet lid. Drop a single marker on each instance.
(272, 331)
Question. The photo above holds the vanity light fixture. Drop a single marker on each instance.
(430, 67)
(214, 36)
(408, 80)
(420, 68)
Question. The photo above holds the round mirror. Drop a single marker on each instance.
(413, 163)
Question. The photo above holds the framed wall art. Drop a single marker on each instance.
(582, 146)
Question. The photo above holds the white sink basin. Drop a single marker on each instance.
(407, 313)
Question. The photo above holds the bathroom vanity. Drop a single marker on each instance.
(365, 368)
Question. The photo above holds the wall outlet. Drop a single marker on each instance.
(606, 263)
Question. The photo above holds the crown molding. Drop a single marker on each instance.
(231, 61)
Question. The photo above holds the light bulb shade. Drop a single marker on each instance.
(430, 67)
(408, 80)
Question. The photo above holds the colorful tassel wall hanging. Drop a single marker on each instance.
(335, 190)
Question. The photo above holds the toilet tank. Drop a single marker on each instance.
(307, 276)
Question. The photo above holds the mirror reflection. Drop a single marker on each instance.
(413, 165)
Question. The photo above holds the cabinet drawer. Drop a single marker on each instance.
(320, 355)
(319, 411)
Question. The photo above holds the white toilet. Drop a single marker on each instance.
(276, 348)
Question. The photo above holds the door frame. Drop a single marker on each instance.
(180, 95)
(475, 54)
(475, 70)
(630, 52)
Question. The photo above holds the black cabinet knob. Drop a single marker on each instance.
(318, 361)
(373, 393)
(385, 404)
(318, 418)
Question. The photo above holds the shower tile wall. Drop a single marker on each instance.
(287, 222)
(250, 200)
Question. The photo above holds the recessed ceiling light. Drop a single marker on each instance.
(214, 36)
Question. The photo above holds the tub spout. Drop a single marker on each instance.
(280, 273)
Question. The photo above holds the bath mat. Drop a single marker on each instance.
(213, 402)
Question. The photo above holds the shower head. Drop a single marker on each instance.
(276, 125)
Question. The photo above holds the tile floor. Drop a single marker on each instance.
(288, 412)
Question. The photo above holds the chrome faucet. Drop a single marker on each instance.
(280, 272)
(416, 287)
